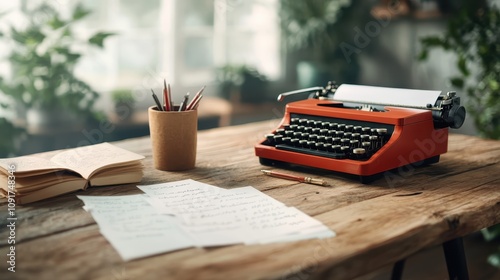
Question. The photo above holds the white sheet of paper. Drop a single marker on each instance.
(134, 228)
(384, 95)
(178, 197)
(215, 217)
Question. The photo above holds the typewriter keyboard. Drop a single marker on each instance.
(330, 137)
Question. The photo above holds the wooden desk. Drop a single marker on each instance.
(375, 224)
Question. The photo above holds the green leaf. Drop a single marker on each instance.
(462, 65)
(56, 23)
(99, 37)
(80, 12)
(457, 82)
(423, 54)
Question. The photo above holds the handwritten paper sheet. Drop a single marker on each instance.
(133, 226)
(187, 213)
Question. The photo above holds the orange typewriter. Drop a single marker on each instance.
(362, 130)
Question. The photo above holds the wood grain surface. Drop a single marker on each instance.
(376, 224)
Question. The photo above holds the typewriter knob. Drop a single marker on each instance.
(456, 117)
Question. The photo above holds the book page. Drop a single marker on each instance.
(89, 159)
(133, 227)
(29, 165)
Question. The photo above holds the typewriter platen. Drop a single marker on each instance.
(362, 130)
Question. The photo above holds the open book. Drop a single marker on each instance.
(37, 178)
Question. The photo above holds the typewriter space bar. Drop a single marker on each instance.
(311, 152)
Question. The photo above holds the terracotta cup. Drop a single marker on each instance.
(173, 138)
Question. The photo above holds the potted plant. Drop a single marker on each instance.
(472, 35)
(242, 83)
(43, 56)
(314, 30)
(124, 103)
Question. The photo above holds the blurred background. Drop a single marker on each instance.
(81, 72)
(74, 73)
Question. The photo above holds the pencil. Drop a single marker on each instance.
(158, 104)
(301, 179)
(166, 99)
(184, 102)
(191, 104)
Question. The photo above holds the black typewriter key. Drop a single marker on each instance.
(315, 130)
(339, 133)
(313, 137)
(318, 124)
(364, 137)
(303, 143)
(327, 147)
(286, 140)
(349, 127)
(323, 131)
(365, 145)
(382, 133)
(311, 144)
(336, 140)
(304, 136)
(308, 129)
(336, 148)
(348, 135)
(289, 133)
(357, 128)
(341, 126)
(345, 150)
(345, 141)
(320, 146)
(270, 138)
(325, 125)
(293, 127)
(278, 139)
(310, 123)
(354, 143)
(332, 133)
(355, 136)
(294, 142)
(373, 141)
(286, 127)
(294, 121)
(296, 134)
(333, 126)
(321, 138)
(328, 139)
(302, 121)
(366, 130)
(280, 131)
(373, 131)
(300, 128)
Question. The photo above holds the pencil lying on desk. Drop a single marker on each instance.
(301, 179)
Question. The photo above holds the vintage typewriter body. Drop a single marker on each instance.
(364, 139)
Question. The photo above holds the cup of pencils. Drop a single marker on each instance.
(173, 130)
